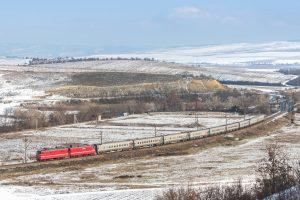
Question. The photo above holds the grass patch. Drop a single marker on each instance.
(126, 176)
(118, 78)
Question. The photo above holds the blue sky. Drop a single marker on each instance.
(104, 25)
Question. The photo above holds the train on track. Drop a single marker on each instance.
(96, 149)
(65, 152)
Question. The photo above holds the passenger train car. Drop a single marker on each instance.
(148, 142)
(115, 146)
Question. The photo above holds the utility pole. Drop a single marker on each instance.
(226, 121)
(155, 130)
(101, 135)
(27, 142)
(244, 107)
(36, 124)
(197, 121)
(98, 119)
(75, 119)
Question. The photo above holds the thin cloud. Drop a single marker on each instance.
(229, 20)
(188, 12)
(195, 12)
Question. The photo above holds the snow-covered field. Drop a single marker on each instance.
(239, 54)
(277, 53)
(235, 62)
(13, 92)
(152, 175)
(180, 119)
(13, 61)
(116, 129)
(137, 66)
(264, 89)
(263, 75)
(25, 193)
(232, 62)
(17, 88)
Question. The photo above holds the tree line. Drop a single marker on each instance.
(87, 110)
(39, 61)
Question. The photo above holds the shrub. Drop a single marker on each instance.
(276, 180)
(275, 173)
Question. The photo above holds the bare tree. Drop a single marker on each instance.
(275, 173)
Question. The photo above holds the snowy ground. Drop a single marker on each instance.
(228, 72)
(25, 193)
(231, 62)
(178, 119)
(264, 89)
(152, 175)
(17, 88)
(239, 54)
(116, 129)
(235, 62)
(263, 75)
(38, 78)
(13, 61)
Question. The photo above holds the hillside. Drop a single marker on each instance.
(88, 91)
(222, 73)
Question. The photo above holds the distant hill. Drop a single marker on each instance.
(273, 54)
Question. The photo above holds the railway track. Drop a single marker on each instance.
(25, 167)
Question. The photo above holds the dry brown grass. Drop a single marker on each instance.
(83, 91)
(87, 177)
(205, 85)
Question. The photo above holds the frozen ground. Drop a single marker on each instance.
(179, 119)
(37, 79)
(117, 129)
(13, 61)
(152, 175)
(25, 193)
(239, 54)
(17, 87)
(235, 62)
(263, 89)
(228, 72)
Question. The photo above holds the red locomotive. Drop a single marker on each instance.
(66, 152)
(82, 151)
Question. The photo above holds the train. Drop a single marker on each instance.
(66, 152)
(97, 149)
